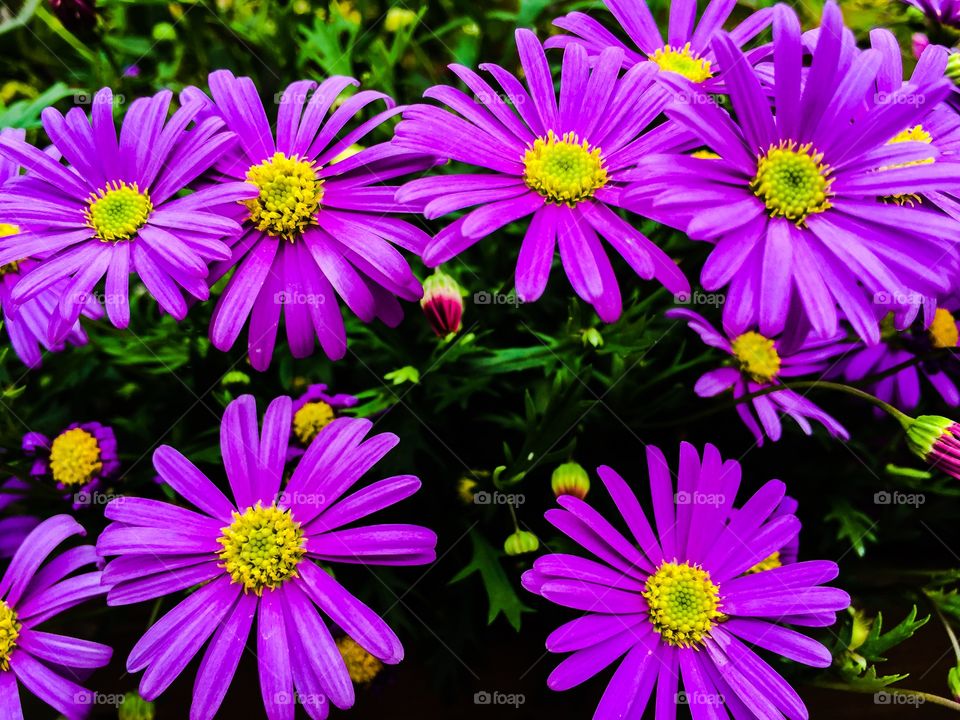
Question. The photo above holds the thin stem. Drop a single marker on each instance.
(927, 697)
(904, 419)
(950, 633)
(51, 22)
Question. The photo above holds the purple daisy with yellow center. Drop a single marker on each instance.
(682, 603)
(320, 225)
(78, 460)
(794, 204)
(312, 412)
(35, 588)
(560, 163)
(116, 208)
(761, 362)
(255, 557)
(686, 49)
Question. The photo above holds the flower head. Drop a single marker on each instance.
(559, 164)
(682, 600)
(255, 557)
(319, 225)
(936, 440)
(117, 207)
(760, 362)
(570, 478)
(78, 459)
(797, 203)
(312, 412)
(685, 51)
(939, 12)
(34, 589)
(442, 303)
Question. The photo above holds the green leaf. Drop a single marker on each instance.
(854, 526)
(870, 682)
(500, 592)
(877, 644)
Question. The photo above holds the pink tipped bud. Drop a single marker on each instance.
(936, 439)
(442, 303)
(919, 42)
(570, 479)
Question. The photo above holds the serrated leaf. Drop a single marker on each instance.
(854, 526)
(870, 682)
(876, 643)
(501, 594)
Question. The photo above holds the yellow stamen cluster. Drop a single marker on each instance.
(757, 356)
(683, 61)
(361, 665)
(793, 181)
(10, 267)
(9, 632)
(705, 155)
(683, 602)
(262, 548)
(768, 563)
(943, 329)
(309, 420)
(290, 195)
(564, 170)
(74, 457)
(912, 134)
(118, 211)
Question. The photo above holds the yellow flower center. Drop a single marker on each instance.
(768, 563)
(564, 170)
(913, 134)
(9, 632)
(683, 62)
(290, 195)
(705, 155)
(10, 267)
(684, 603)
(309, 420)
(943, 330)
(116, 212)
(793, 181)
(757, 355)
(362, 666)
(262, 547)
(74, 457)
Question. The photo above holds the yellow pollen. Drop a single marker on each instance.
(362, 666)
(11, 267)
(943, 330)
(683, 602)
(74, 457)
(290, 195)
(262, 548)
(705, 155)
(769, 563)
(757, 355)
(116, 212)
(913, 134)
(793, 181)
(9, 632)
(684, 62)
(564, 170)
(309, 420)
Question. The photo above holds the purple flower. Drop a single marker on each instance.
(793, 204)
(78, 460)
(940, 12)
(256, 557)
(15, 528)
(902, 388)
(312, 412)
(319, 227)
(28, 324)
(30, 595)
(678, 600)
(686, 51)
(115, 209)
(562, 163)
(760, 362)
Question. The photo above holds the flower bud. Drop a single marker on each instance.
(135, 707)
(936, 439)
(570, 479)
(442, 303)
(953, 67)
(953, 681)
(521, 542)
(399, 18)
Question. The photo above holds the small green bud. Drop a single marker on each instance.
(953, 66)
(135, 707)
(521, 542)
(953, 681)
(570, 479)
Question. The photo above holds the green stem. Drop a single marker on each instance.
(64, 34)
(927, 697)
(904, 419)
(950, 633)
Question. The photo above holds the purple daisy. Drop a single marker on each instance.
(679, 601)
(794, 202)
(115, 210)
(686, 50)
(78, 460)
(760, 362)
(256, 557)
(28, 324)
(940, 12)
(312, 412)
(902, 389)
(320, 225)
(30, 595)
(561, 162)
